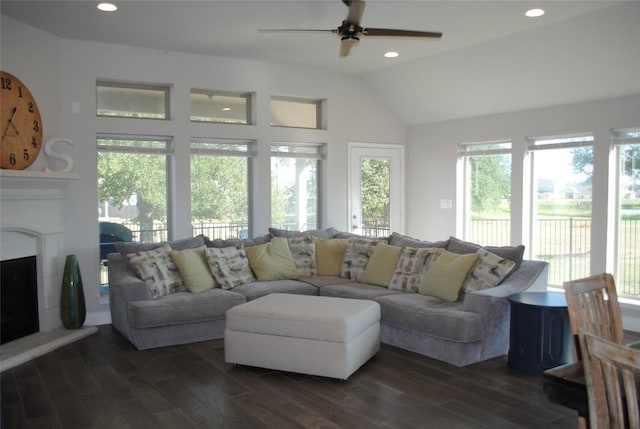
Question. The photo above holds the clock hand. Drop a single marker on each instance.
(13, 112)
(16, 128)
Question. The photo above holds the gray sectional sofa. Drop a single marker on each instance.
(471, 329)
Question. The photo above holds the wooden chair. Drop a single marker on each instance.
(608, 363)
(593, 307)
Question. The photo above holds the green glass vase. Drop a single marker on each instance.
(72, 306)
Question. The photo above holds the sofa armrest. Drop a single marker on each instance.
(124, 287)
(530, 275)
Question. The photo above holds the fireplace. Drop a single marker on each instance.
(26, 233)
(19, 304)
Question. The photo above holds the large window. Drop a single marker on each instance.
(132, 191)
(132, 100)
(627, 256)
(220, 171)
(295, 185)
(486, 176)
(562, 171)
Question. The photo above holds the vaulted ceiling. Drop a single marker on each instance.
(491, 58)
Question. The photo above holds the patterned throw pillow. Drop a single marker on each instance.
(157, 269)
(489, 271)
(356, 257)
(412, 264)
(229, 265)
(303, 251)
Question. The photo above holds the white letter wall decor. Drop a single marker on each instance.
(48, 148)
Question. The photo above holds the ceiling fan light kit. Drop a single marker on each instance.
(350, 30)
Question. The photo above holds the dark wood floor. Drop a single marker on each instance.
(102, 382)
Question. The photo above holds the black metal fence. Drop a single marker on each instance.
(566, 245)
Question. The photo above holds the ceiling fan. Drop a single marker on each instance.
(350, 30)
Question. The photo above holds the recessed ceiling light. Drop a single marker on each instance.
(226, 109)
(391, 54)
(534, 13)
(107, 7)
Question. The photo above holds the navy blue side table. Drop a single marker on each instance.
(540, 336)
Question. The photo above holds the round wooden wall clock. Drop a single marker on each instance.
(20, 124)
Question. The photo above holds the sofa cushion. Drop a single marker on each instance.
(381, 265)
(237, 242)
(412, 264)
(322, 233)
(229, 266)
(445, 276)
(182, 307)
(157, 269)
(431, 316)
(272, 261)
(404, 240)
(257, 289)
(329, 255)
(193, 267)
(321, 281)
(355, 290)
(126, 248)
(513, 253)
(303, 251)
(356, 257)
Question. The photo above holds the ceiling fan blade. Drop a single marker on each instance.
(356, 10)
(387, 32)
(346, 45)
(292, 30)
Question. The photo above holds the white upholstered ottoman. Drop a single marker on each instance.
(317, 335)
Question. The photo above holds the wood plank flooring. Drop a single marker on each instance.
(102, 381)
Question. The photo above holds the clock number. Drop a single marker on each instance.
(25, 154)
(36, 126)
(6, 83)
(19, 92)
(12, 159)
(33, 142)
(30, 104)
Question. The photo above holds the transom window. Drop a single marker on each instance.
(220, 107)
(296, 112)
(132, 100)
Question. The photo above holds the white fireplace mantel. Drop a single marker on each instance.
(32, 222)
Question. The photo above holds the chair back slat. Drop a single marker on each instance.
(613, 362)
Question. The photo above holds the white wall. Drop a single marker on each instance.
(61, 73)
(432, 157)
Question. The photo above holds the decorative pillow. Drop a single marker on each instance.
(329, 255)
(489, 271)
(404, 240)
(194, 270)
(229, 266)
(381, 265)
(512, 253)
(445, 276)
(272, 261)
(303, 251)
(156, 268)
(412, 264)
(356, 257)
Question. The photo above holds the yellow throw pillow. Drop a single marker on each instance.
(445, 276)
(272, 260)
(382, 264)
(329, 254)
(193, 267)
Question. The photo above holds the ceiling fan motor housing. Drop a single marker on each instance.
(350, 30)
